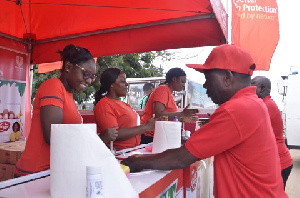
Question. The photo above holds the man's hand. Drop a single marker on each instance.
(133, 163)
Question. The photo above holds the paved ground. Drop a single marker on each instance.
(293, 183)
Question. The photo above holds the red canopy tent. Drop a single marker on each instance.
(106, 27)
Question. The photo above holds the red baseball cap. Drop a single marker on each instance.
(228, 57)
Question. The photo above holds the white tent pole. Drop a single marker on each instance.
(229, 12)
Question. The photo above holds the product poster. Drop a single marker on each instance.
(12, 99)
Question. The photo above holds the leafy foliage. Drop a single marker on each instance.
(38, 79)
(21, 86)
(138, 65)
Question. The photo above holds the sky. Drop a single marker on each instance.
(287, 53)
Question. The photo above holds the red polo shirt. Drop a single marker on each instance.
(36, 156)
(115, 113)
(163, 95)
(277, 124)
(239, 135)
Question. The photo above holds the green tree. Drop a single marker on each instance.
(138, 65)
(39, 78)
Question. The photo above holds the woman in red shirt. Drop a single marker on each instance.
(54, 104)
(111, 112)
(161, 102)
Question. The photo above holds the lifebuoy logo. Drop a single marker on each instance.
(4, 126)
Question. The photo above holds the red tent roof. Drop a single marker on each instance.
(107, 27)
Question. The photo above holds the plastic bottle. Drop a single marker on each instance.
(175, 118)
(94, 186)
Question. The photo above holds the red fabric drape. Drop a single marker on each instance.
(255, 28)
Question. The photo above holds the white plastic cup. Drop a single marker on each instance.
(94, 186)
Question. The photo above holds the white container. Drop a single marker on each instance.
(94, 185)
(187, 134)
(167, 135)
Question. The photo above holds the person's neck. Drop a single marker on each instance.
(63, 80)
(263, 96)
(236, 89)
(111, 95)
(170, 87)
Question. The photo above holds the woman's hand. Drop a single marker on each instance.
(110, 134)
(162, 118)
(150, 124)
(191, 119)
(189, 115)
(189, 112)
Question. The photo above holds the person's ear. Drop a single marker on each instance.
(262, 88)
(67, 66)
(228, 78)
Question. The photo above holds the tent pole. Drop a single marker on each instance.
(13, 38)
(229, 12)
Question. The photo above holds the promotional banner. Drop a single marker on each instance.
(12, 99)
(255, 28)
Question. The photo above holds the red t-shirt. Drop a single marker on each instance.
(277, 124)
(111, 113)
(36, 156)
(239, 135)
(163, 95)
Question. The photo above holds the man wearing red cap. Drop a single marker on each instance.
(239, 134)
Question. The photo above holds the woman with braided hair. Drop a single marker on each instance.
(54, 104)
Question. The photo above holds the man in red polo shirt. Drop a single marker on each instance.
(263, 90)
(239, 133)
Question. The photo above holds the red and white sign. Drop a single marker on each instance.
(12, 65)
(4, 126)
(255, 28)
(12, 99)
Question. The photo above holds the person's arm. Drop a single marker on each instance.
(159, 110)
(50, 115)
(178, 158)
(126, 133)
(107, 135)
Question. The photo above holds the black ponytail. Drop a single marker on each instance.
(108, 77)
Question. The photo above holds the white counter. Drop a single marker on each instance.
(40, 188)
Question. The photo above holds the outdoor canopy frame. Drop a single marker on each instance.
(106, 27)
